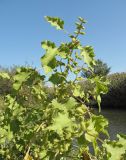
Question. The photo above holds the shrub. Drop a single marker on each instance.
(116, 96)
(63, 127)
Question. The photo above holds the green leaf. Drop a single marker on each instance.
(88, 55)
(49, 60)
(61, 122)
(101, 85)
(91, 133)
(82, 20)
(116, 149)
(57, 78)
(96, 147)
(19, 78)
(69, 105)
(122, 139)
(99, 102)
(4, 75)
(55, 21)
(78, 92)
(95, 126)
(58, 106)
(64, 50)
(38, 91)
(43, 155)
(101, 124)
(9, 135)
(50, 66)
(48, 44)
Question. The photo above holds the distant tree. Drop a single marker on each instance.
(100, 69)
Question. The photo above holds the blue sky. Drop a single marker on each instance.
(22, 28)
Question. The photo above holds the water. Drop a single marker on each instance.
(117, 121)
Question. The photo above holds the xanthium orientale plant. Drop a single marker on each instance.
(61, 127)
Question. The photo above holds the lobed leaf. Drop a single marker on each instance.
(19, 78)
(49, 60)
(55, 21)
(57, 78)
(61, 122)
(88, 54)
(116, 149)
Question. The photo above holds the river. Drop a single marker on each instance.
(117, 121)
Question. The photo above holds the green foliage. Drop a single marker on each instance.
(48, 60)
(115, 97)
(116, 149)
(88, 54)
(55, 21)
(61, 127)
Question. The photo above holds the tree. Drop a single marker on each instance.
(100, 69)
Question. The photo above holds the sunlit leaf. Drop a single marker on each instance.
(116, 149)
(19, 78)
(55, 21)
(88, 55)
(62, 121)
(4, 75)
(49, 60)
